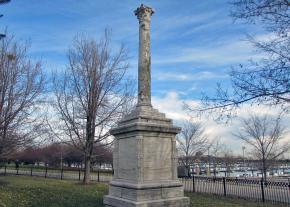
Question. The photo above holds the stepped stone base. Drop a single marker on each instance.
(145, 162)
(146, 195)
(111, 201)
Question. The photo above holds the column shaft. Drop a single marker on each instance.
(144, 63)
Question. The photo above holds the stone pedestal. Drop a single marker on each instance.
(145, 162)
(145, 159)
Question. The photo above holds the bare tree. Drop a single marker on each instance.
(265, 81)
(227, 159)
(1, 15)
(91, 95)
(266, 137)
(190, 141)
(215, 150)
(21, 84)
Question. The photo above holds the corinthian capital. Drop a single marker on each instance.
(144, 13)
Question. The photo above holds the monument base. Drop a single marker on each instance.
(156, 195)
(111, 201)
(145, 162)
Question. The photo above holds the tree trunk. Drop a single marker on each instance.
(87, 172)
(214, 170)
(187, 166)
(188, 171)
(89, 148)
(264, 170)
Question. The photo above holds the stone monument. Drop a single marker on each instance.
(145, 158)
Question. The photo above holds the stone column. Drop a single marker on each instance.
(144, 14)
(145, 148)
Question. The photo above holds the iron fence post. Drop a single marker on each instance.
(98, 175)
(5, 169)
(262, 189)
(45, 172)
(224, 185)
(17, 171)
(61, 173)
(193, 183)
(31, 171)
(79, 174)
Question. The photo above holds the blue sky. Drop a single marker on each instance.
(193, 43)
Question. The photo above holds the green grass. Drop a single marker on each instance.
(39, 192)
(206, 200)
(21, 191)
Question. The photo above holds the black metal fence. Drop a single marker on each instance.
(274, 191)
(57, 173)
(248, 188)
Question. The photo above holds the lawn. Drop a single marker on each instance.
(24, 191)
(206, 200)
(39, 192)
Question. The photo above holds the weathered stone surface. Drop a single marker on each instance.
(145, 152)
(157, 161)
(145, 162)
(146, 194)
(143, 14)
(145, 158)
(172, 202)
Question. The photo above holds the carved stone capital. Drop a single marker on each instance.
(144, 13)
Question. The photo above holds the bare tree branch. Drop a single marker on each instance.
(191, 140)
(266, 136)
(265, 81)
(21, 85)
(91, 95)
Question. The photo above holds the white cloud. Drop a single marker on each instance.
(266, 37)
(217, 54)
(174, 21)
(204, 75)
(172, 105)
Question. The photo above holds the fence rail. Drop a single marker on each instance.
(248, 188)
(63, 174)
(255, 189)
